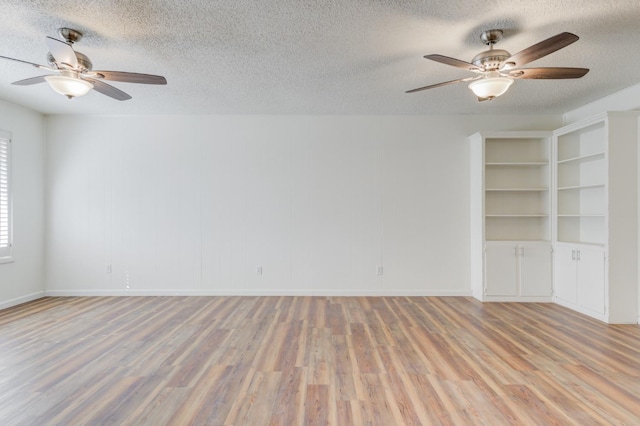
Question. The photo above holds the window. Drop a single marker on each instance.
(5, 196)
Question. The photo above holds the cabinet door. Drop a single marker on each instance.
(535, 270)
(501, 272)
(591, 279)
(565, 274)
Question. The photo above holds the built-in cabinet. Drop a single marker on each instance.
(554, 216)
(580, 277)
(518, 270)
(595, 216)
(511, 216)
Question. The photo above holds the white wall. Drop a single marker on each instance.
(623, 100)
(22, 280)
(191, 205)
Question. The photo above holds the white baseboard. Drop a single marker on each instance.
(597, 315)
(135, 292)
(519, 299)
(22, 299)
(573, 306)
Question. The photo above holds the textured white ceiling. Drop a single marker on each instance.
(317, 57)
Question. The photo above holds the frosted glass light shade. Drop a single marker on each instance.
(490, 87)
(69, 86)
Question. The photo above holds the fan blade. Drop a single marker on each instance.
(131, 77)
(483, 99)
(62, 52)
(541, 49)
(108, 90)
(445, 83)
(24, 62)
(548, 73)
(30, 81)
(454, 62)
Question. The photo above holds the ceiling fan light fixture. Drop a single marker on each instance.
(491, 86)
(71, 87)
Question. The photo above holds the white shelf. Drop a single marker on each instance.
(587, 157)
(520, 164)
(516, 215)
(580, 243)
(578, 187)
(581, 215)
(511, 240)
(516, 189)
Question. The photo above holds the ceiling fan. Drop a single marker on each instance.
(74, 75)
(496, 69)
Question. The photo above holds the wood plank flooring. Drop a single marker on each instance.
(314, 361)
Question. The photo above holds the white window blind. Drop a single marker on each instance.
(5, 195)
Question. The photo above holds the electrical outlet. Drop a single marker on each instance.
(259, 270)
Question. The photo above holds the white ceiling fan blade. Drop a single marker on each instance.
(444, 83)
(25, 62)
(130, 77)
(548, 73)
(454, 62)
(542, 49)
(30, 81)
(62, 52)
(108, 90)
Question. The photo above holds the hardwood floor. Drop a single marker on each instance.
(313, 360)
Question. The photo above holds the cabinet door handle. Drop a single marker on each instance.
(573, 255)
(521, 251)
(578, 258)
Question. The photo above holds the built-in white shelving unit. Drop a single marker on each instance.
(580, 184)
(572, 192)
(511, 216)
(595, 216)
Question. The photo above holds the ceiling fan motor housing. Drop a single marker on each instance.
(84, 63)
(490, 59)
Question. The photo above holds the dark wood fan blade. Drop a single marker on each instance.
(108, 90)
(454, 62)
(445, 83)
(548, 73)
(30, 81)
(131, 77)
(24, 62)
(62, 52)
(541, 49)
